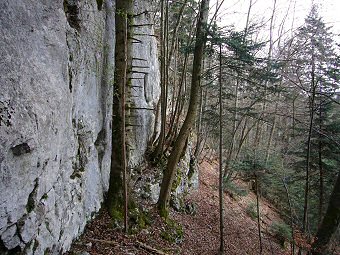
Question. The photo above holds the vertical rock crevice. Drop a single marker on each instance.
(100, 144)
(99, 4)
(71, 10)
(31, 201)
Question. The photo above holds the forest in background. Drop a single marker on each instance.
(269, 108)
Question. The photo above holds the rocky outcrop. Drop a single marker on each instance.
(186, 179)
(56, 76)
(148, 180)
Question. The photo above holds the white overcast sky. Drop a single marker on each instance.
(235, 12)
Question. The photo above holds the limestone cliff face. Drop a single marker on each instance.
(142, 98)
(56, 73)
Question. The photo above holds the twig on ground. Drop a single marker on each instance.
(103, 241)
(149, 248)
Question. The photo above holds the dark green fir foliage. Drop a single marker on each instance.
(314, 71)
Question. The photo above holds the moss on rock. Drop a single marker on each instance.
(173, 232)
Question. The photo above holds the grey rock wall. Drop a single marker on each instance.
(56, 67)
(55, 115)
(143, 95)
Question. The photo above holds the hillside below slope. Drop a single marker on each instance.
(200, 227)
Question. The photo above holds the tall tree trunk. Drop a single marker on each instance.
(181, 93)
(258, 213)
(291, 216)
(236, 123)
(175, 32)
(309, 143)
(198, 123)
(243, 137)
(174, 125)
(259, 128)
(174, 82)
(321, 184)
(272, 130)
(174, 157)
(294, 114)
(178, 101)
(123, 133)
(329, 223)
(117, 194)
(199, 126)
(221, 252)
(321, 175)
(159, 148)
(166, 66)
(201, 138)
(235, 127)
(153, 140)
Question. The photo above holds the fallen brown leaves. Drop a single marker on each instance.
(201, 231)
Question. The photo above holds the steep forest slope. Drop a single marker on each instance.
(197, 231)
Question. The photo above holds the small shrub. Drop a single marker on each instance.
(252, 210)
(234, 189)
(173, 232)
(138, 220)
(190, 208)
(117, 218)
(282, 232)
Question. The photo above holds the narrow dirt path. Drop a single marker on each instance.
(201, 230)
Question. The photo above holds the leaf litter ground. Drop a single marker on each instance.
(201, 230)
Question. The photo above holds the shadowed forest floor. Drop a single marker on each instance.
(201, 230)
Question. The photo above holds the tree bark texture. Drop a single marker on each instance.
(309, 144)
(291, 217)
(163, 101)
(180, 94)
(174, 157)
(221, 252)
(321, 171)
(258, 213)
(117, 194)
